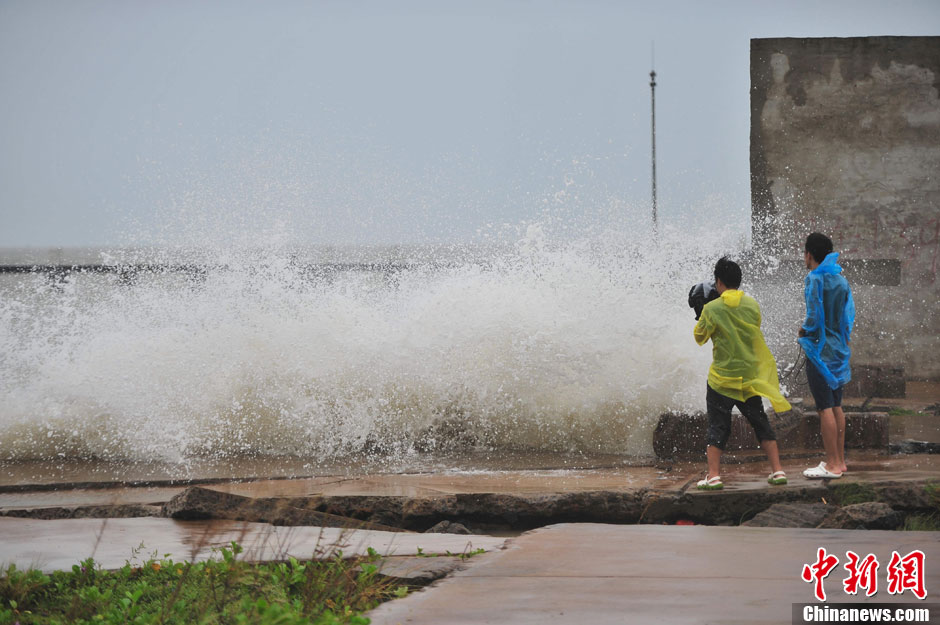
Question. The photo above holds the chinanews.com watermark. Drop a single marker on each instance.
(866, 613)
(903, 576)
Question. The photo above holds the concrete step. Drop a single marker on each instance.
(684, 435)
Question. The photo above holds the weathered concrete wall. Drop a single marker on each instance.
(845, 140)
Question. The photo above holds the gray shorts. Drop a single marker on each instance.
(823, 394)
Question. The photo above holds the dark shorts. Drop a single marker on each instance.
(823, 395)
(719, 417)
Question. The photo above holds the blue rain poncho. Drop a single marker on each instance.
(742, 365)
(830, 315)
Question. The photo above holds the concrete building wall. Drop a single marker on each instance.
(845, 140)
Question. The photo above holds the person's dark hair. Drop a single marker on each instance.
(819, 245)
(728, 272)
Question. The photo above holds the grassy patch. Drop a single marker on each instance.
(465, 555)
(852, 493)
(929, 522)
(922, 523)
(903, 412)
(933, 491)
(218, 592)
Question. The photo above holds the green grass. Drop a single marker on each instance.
(852, 493)
(903, 412)
(929, 522)
(218, 592)
(466, 555)
(922, 523)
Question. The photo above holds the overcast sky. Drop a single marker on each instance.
(135, 122)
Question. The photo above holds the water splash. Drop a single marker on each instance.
(546, 344)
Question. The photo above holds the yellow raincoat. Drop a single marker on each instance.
(742, 365)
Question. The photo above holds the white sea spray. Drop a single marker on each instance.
(549, 344)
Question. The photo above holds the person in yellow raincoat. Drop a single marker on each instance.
(742, 372)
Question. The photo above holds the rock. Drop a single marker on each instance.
(416, 570)
(876, 381)
(525, 511)
(383, 510)
(724, 507)
(872, 515)
(197, 503)
(117, 511)
(680, 435)
(792, 515)
(911, 497)
(448, 527)
(910, 446)
(422, 512)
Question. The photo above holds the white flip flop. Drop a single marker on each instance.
(820, 472)
(777, 478)
(710, 483)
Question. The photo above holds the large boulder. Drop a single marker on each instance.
(725, 507)
(448, 527)
(872, 515)
(196, 503)
(204, 503)
(793, 515)
(909, 497)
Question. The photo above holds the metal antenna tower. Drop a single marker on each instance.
(653, 128)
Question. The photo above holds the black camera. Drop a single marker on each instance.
(701, 294)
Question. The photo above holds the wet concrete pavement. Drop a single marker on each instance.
(865, 467)
(598, 574)
(57, 545)
(576, 573)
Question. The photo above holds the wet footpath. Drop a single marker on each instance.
(599, 574)
(667, 572)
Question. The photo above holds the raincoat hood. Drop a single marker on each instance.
(829, 265)
(732, 297)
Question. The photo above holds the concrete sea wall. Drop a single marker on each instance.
(845, 140)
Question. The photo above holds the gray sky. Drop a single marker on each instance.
(168, 122)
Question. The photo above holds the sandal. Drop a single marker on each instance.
(821, 472)
(710, 483)
(777, 478)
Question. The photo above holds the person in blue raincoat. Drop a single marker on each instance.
(824, 337)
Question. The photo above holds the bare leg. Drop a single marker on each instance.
(830, 436)
(714, 460)
(773, 454)
(840, 438)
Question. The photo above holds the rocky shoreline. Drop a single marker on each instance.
(848, 505)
